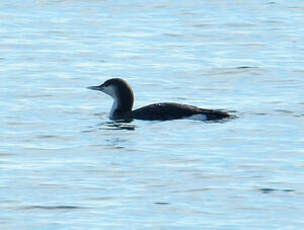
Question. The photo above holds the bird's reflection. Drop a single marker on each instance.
(116, 125)
(110, 125)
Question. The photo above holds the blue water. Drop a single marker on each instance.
(65, 165)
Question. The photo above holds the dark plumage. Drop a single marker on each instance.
(123, 97)
(170, 111)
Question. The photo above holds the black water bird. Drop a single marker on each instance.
(123, 97)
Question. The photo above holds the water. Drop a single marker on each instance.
(64, 165)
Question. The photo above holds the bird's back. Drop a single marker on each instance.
(170, 111)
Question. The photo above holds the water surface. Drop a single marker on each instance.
(64, 165)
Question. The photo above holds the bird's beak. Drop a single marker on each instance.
(99, 88)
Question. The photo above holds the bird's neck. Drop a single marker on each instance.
(122, 107)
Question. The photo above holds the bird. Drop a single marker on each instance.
(123, 97)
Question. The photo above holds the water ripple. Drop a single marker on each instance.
(58, 207)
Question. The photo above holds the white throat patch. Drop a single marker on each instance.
(114, 107)
(110, 90)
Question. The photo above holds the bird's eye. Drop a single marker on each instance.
(106, 84)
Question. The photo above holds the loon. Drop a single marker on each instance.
(123, 97)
